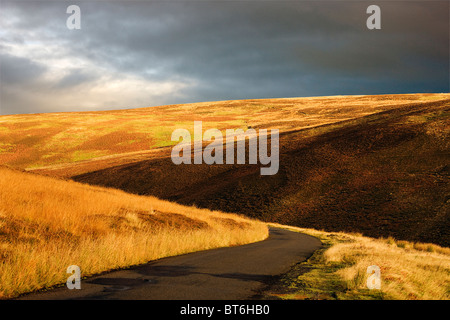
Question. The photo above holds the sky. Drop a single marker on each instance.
(131, 54)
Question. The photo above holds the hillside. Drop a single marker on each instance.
(384, 174)
(47, 225)
(378, 165)
(37, 140)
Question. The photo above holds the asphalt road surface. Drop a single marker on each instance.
(233, 273)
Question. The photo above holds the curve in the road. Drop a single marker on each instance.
(231, 273)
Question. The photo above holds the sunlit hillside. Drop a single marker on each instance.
(36, 140)
(47, 225)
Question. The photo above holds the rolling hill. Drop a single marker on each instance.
(38, 140)
(378, 165)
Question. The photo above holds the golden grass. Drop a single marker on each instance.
(409, 271)
(48, 224)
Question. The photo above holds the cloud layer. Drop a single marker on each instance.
(137, 54)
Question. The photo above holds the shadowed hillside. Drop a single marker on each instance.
(384, 174)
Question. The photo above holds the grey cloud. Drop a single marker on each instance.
(234, 50)
(75, 78)
(16, 70)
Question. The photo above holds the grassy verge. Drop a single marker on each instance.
(338, 271)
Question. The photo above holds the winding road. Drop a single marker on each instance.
(233, 273)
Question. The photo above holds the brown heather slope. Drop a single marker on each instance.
(383, 174)
(47, 225)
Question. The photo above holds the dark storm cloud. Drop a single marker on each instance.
(202, 51)
(74, 78)
(19, 71)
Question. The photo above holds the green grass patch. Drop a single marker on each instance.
(81, 155)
